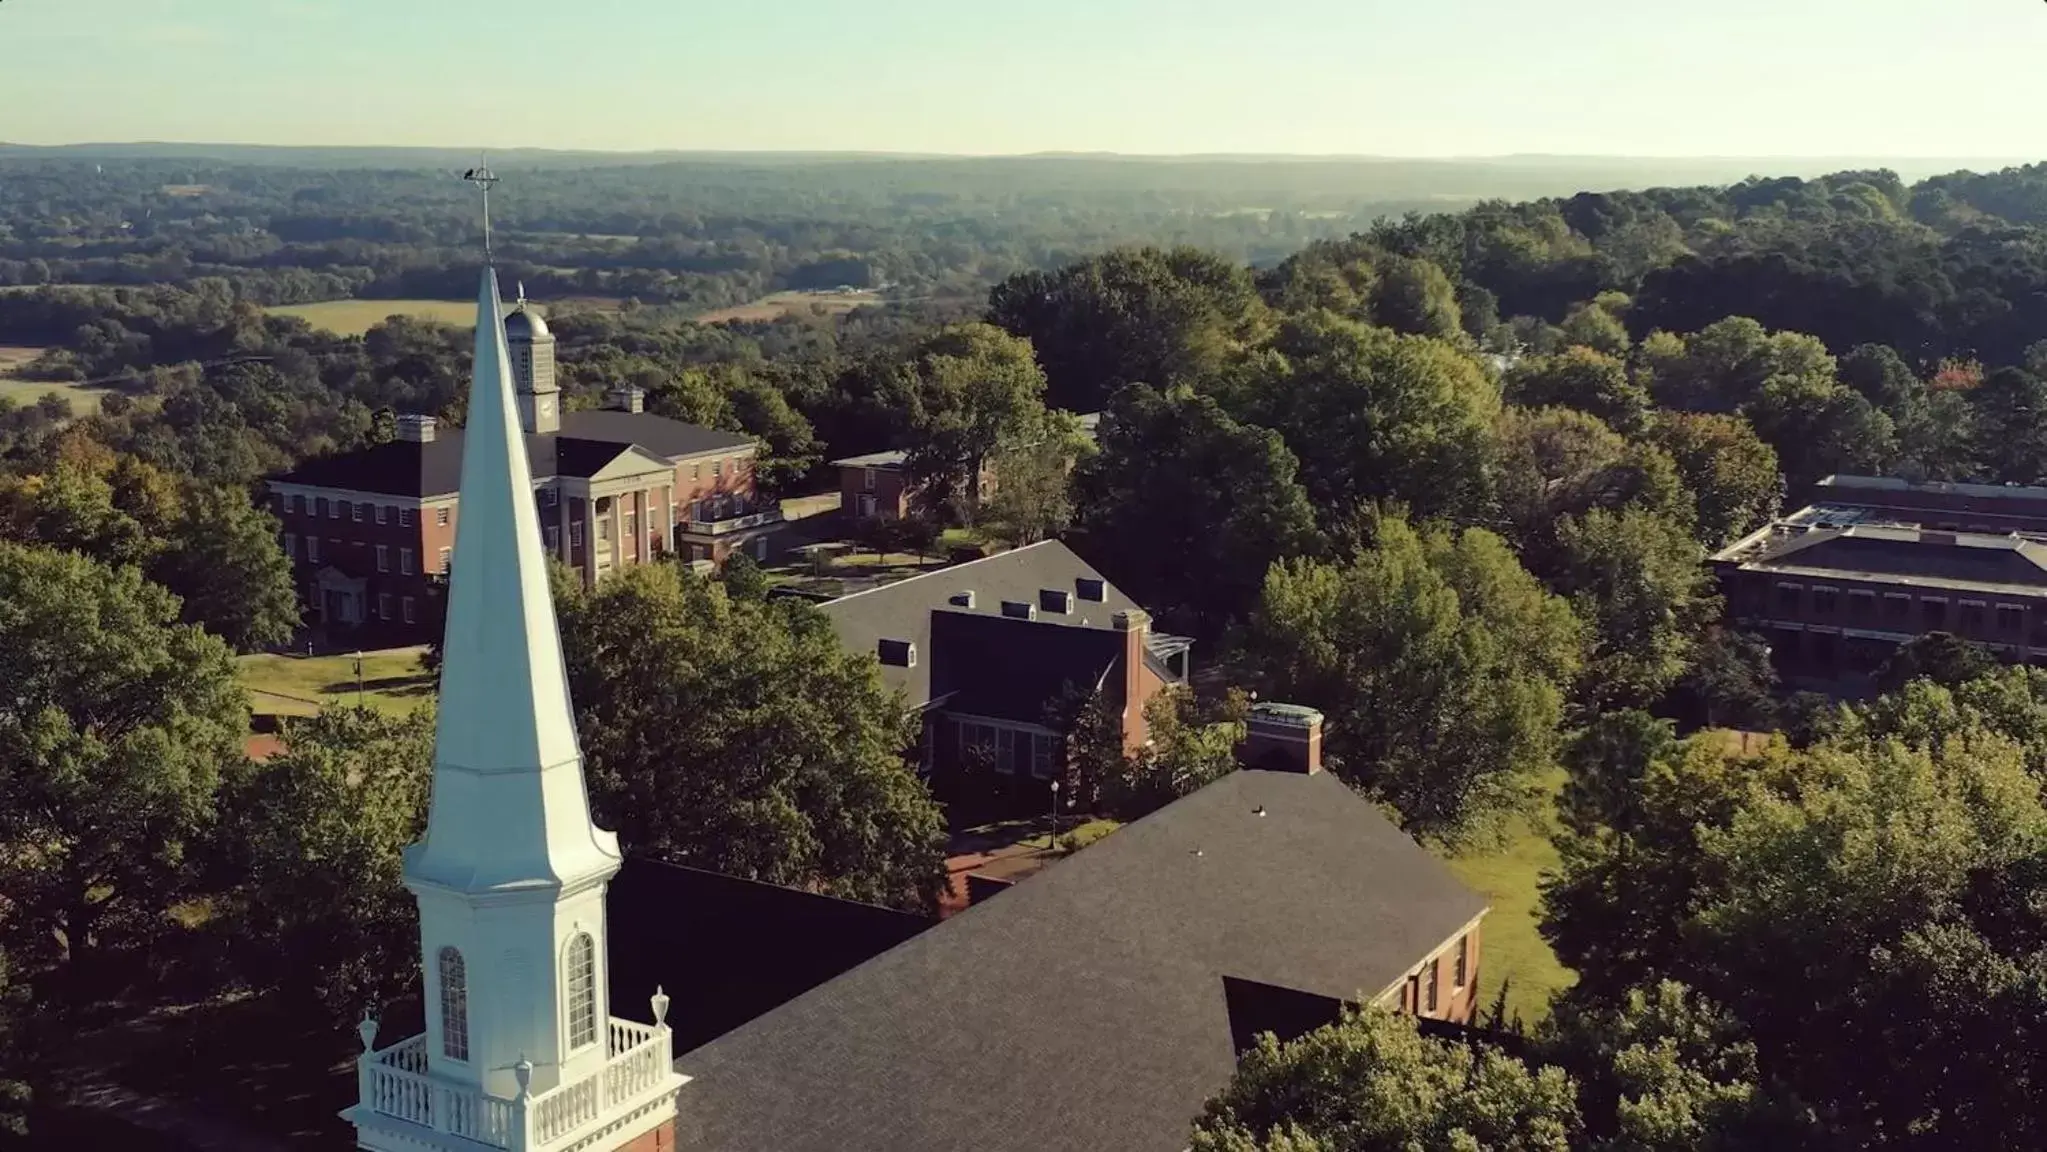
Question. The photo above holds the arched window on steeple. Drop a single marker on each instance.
(454, 1006)
(580, 979)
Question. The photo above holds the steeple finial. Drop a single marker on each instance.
(485, 179)
(522, 293)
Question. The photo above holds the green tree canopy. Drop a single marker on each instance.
(1731, 472)
(1637, 579)
(222, 559)
(1441, 662)
(792, 766)
(1583, 378)
(973, 388)
(1185, 508)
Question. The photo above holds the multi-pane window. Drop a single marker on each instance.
(291, 546)
(319, 506)
(2010, 618)
(1823, 601)
(1932, 612)
(867, 479)
(1461, 972)
(405, 561)
(454, 1004)
(1787, 598)
(383, 558)
(383, 514)
(312, 549)
(447, 558)
(405, 517)
(576, 533)
(1972, 616)
(355, 511)
(1429, 975)
(441, 515)
(298, 503)
(383, 605)
(405, 607)
(582, 989)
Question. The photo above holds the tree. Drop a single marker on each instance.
(1583, 378)
(1375, 416)
(1729, 682)
(1554, 463)
(1596, 324)
(973, 389)
(1189, 746)
(1129, 316)
(116, 726)
(2010, 415)
(743, 578)
(1941, 657)
(1185, 508)
(792, 766)
(1637, 580)
(1820, 428)
(1033, 467)
(1731, 472)
(1373, 1083)
(1441, 663)
(1414, 297)
(315, 836)
(222, 559)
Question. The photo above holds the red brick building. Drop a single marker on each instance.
(371, 533)
(1839, 585)
(877, 486)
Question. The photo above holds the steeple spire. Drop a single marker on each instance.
(509, 805)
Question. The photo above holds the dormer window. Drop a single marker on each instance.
(1091, 588)
(897, 653)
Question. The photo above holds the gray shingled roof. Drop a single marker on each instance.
(902, 610)
(407, 468)
(1084, 1009)
(1918, 556)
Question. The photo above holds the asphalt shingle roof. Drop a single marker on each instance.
(902, 610)
(408, 468)
(1085, 1008)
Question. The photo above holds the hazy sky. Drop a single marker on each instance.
(1412, 78)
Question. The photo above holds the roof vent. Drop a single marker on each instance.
(897, 653)
(1091, 588)
(1055, 600)
(961, 599)
(417, 429)
(1018, 610)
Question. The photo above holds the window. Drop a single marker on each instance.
(447, 558)
(866, 505)
(383, 558)
(441, 516)
(383, 605)
(1044, 754)
(355, 511)
(405, 607)
(978, 747)
(312, 549)
(549, 497)
(1822, 601)
(454, 1004)
(1787, 598)
(717, 469)
(1897, 607)
(628, 526)
(1861, 605)
(1429, 980)
(405, 517)
(343, 506)
(581, 979)
(576, 533)
(291, 546)
(696, 471)
(1932, 613)
(405, 561)
(1460, 973)
(298, 503)
(320, 506)
(552, 535)
(383, 514)
(1972, 616)
(867, 479)
(2010, 618)
(604, 528)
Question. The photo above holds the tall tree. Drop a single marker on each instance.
(1586, 379)
(115, 728)
(1129, 316)
(1185, 508)
(1730, 471)
(973, 388)
(792, 768)
(223, 560)
(1413, 296)
(1637, 579)
(1033, 467)
(2010, 410)
(315, 837)
(1555, 463)
(1441, 662)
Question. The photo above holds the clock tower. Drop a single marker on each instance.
(531, 348)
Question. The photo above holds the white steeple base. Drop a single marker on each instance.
(404, 1107)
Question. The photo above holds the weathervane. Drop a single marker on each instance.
(483, 178)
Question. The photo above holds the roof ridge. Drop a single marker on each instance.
(939, 572)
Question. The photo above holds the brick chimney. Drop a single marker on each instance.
(1138, 684)
(417, 429)
(1282, 738)
(628, 399)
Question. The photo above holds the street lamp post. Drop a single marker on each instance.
(1052, 840)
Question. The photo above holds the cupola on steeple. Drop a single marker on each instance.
(531, 348)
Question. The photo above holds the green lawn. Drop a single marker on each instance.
(355, 317)
(27, 392)
(1512, 949)
(300, 685)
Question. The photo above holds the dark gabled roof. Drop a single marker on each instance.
(1962, 559)
(987, 664)
(727, 950)
(657, 434)
(902, 610)
(1086, 1008)
(408, 468)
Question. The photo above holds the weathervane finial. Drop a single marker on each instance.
(483, 178)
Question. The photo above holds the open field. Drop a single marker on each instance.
(355, 317)
(1512, 949)
(281, 685)
(781, 304)
(13, 357)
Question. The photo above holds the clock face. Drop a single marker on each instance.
(547, 407)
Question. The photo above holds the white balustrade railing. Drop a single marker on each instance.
(638, 1059)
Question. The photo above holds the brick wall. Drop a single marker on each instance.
(890, 492)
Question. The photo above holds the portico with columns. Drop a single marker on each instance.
(520, 1051)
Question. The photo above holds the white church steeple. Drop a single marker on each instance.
(520, 1049)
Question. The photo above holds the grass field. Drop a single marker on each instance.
(12, 357)
(1512, 949)
(786, 303)
(300, 685)
(355, 317)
